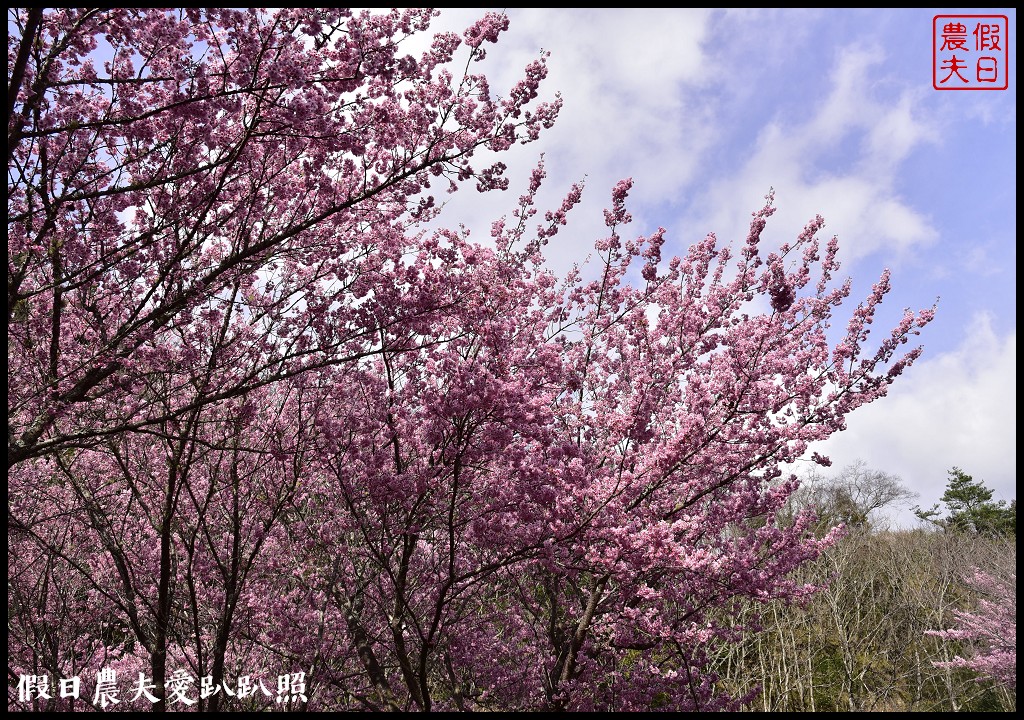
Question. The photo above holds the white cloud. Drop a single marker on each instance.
(841, 162)
(624, 76)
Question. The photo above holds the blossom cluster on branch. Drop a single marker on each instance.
(990, 630)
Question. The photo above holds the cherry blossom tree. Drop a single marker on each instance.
(200, 204)
(170, 171)
(991, 629)
(265, 416)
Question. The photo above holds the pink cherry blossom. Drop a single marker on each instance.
(268, 415)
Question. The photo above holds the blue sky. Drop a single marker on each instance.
(835, 109)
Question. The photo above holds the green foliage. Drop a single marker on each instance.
(971, 508)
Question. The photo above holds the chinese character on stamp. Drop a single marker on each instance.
(970, 52)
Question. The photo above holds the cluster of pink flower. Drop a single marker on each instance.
(263, 413)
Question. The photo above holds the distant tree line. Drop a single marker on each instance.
(868, 640)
